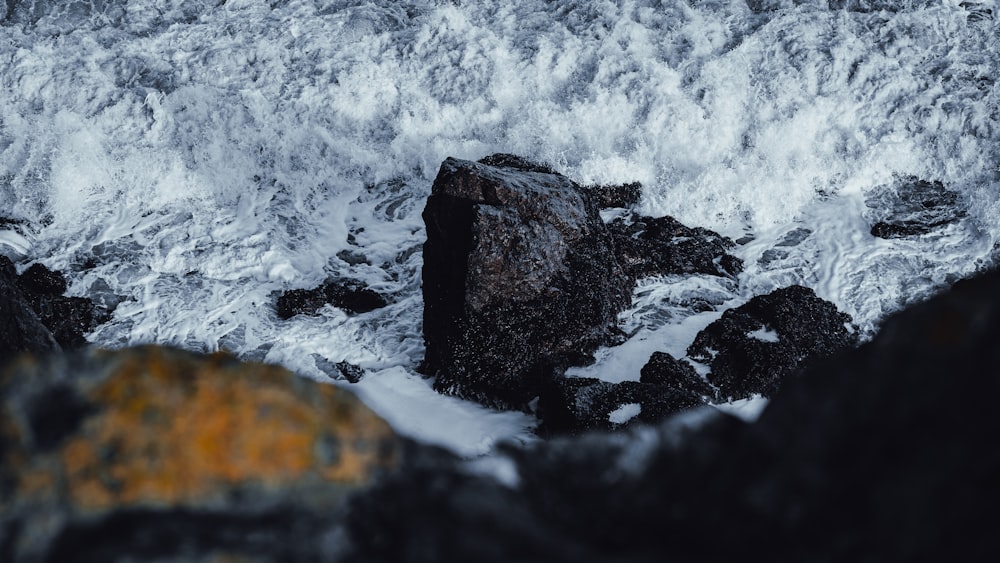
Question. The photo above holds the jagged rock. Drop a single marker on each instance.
(519, 277)
(650, 246)
(883, 453)
(350, 295)
(664, 369)
(756, 346)
(20, 329)
(69, 319)
(157, 454)
(573, 405)
(912, 207)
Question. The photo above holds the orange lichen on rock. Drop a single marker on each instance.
(171, 428)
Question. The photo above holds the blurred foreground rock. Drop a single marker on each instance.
(157, 454)
(883, 453)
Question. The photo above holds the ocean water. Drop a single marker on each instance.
(195, 157)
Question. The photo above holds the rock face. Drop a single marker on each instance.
(350, 295)
(756, 346)
(912, 207)
(519, 278)
(883, 453)
(153, 453)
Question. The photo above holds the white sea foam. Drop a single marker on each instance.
(197, 157)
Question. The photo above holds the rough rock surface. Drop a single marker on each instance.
(664, 369)
(650, 246)
(350, 295)
(913, 207)
(157, 454)
(884, 453)
(573, 405)
(20, 329)
(519, 278)
(756, 346)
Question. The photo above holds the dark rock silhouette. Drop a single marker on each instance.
(519, 278)
(882, 453)
(756, 346)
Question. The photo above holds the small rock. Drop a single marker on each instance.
(43, 281)
(618, 195)
(350, 295)
(755, 346)
(664, 369)
(573, 405)
(650, 246)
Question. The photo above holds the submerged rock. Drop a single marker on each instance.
(573, 405)
(756, 346)
(519, 278)
(882, 453)
(156, 454)
(912, 207)
(350, 295)
(650, 246)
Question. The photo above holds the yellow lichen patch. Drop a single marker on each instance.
(174, 427)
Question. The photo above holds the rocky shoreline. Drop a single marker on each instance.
(874, 452)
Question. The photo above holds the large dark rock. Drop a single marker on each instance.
(756, 346)
(573, 405)
(650, 246)
(519, 278)
(20, 329)
(350, 295)
(154, 454)
(883, 453)
(912, 207)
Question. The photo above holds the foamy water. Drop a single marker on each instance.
(197, 157)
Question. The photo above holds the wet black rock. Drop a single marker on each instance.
(43, 281)
(756, 346)
(573, 405)
(912, 207)
(20, 329)
(617, 195)
(350, 295)
(519, 277)
(69, 319)
(883, 453)
(664, 369)
(650, 246)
